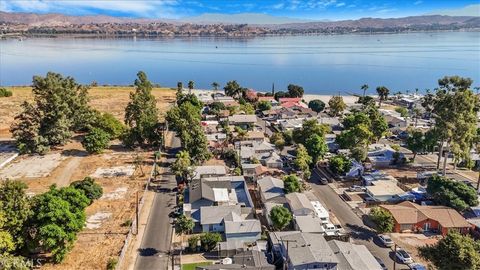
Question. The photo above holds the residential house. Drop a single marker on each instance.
(381, 155)
(243, 120)
(270, 99)
(299, 204)
(270, 188)
(305, 250)
(289, 102)
(248, 259)
(209, 171)
(353, 257)
(411, 217)
(262, 151)
(308, 224)
(384, 191)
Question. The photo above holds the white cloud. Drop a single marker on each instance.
(340, 4)
(143, 8)
(417, 2)
(386, 10)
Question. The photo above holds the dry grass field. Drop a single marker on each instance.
(112, 99)
(104, 234)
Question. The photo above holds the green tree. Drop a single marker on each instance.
(184, 225)
(59, 216)
(455, 251)
(382, 92)
(364, 88)
(316, 105)
(316, 147)
(264, 105)
(451, 193)
(108, 123)
(302, 161)
(359, 153)
(182, 166)
(382, 219)
(141, 115)
(215, 86)
(92, 190)
(280, 217)
(191, 85)
(402, 111)
(295, 91)
(340, 164)
(336, 105)
(247, 108)
(309, 127)
(11, 262)
(60, 107)
(95, 141)
(291, 184)
(7, 243)
(416, 142)
(210, 240)
(455, 108)
(233, 89)
(15, 208)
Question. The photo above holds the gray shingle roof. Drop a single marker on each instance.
(306, 248)
(215, 214)
(353, 257)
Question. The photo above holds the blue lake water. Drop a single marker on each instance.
(321, 64)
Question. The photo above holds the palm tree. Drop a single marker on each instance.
(364, 88)
(191, 85)
(179, 86)
(382, 92)
(215, 85)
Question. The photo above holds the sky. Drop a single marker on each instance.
(302, 9)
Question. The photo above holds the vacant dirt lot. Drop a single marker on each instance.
(103, 98)
(118, 175)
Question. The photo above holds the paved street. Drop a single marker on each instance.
(354, 224)
(153, 252)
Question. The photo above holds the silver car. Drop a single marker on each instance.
(402, 256)
(386, 240)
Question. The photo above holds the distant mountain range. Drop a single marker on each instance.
(221, 24)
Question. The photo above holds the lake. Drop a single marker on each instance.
(328, 64)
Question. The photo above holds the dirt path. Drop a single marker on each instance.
(63, 179)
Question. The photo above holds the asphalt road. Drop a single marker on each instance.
(361, 234)
(153, 252)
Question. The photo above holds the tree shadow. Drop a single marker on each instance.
(361, 233)
(147, 252)
(74, 153)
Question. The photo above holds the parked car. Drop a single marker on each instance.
(382, 264)
(417, 266)
(403, 257)
(386, 240)
(356, 188)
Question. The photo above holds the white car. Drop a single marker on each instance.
(402, 256)
(386, 240)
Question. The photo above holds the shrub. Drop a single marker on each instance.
(264, 105)
(193, 243)
(92, 190)
(5, 93)
(210, 240)
(96, 141)
(126, 223)
(108, 123)
(112, 263)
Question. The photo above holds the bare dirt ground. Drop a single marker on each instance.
(411, 241)
(104, 237)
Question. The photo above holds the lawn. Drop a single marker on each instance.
(192, 266)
